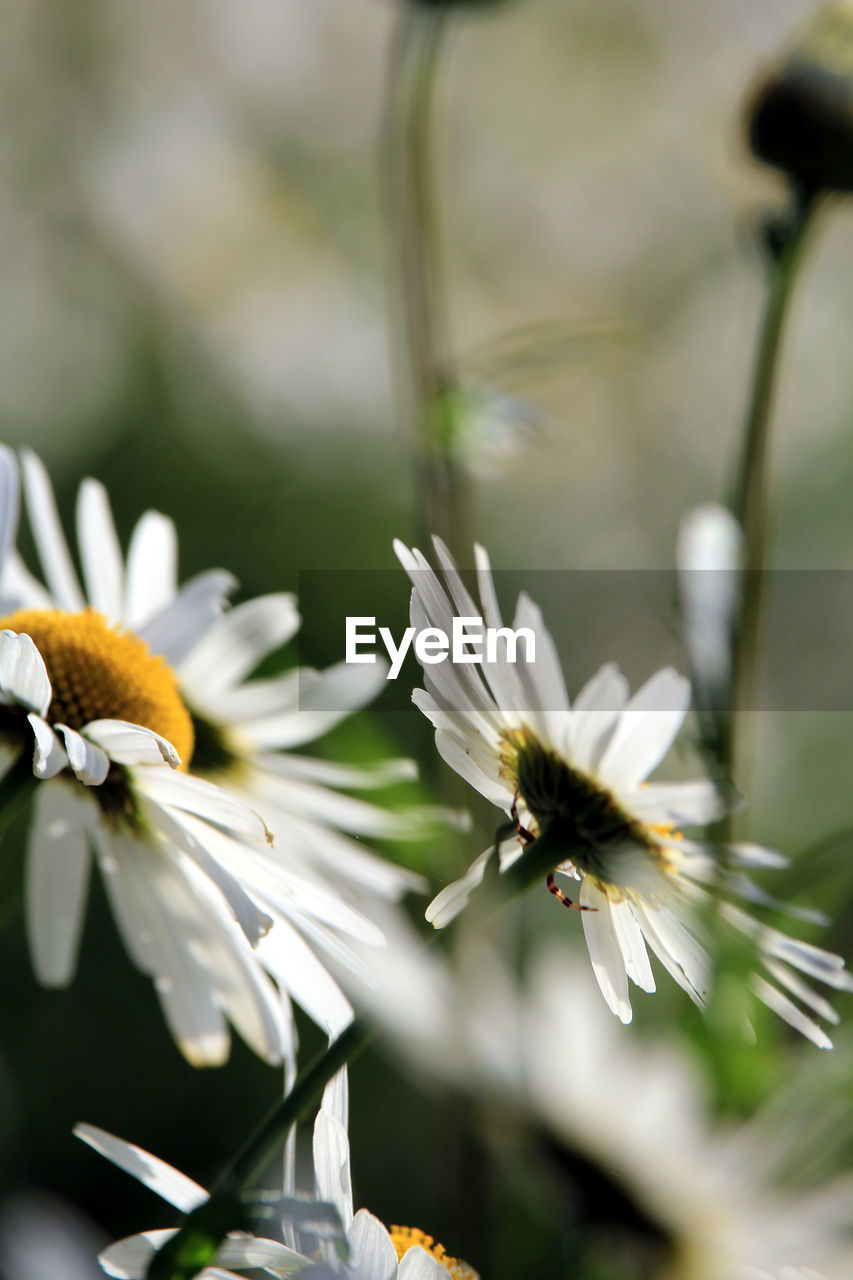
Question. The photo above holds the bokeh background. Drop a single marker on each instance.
(197, 307)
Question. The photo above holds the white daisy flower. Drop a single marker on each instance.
(91, 680)
(722, 1198)
(245, 730)
(375, 1253)
(709, 555)
(579, 773)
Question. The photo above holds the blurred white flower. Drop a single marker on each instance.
(639, 1108)
(579, 773)
(93, 679)
(709, 557)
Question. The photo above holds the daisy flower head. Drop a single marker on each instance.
(573, 778)
(91, 677)
(371, 1251)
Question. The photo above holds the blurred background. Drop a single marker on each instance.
(198, 307)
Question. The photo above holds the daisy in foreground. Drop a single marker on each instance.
(374, 1252)
(90, 684)
(576, 775)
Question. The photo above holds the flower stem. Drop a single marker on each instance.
(749, 498)
(195, 1243)
(441, 484)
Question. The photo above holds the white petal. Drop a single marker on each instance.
(604, 950)
(199, 842)
(418, 1265)
(691, 804)
(756, 856)
(19, 588)
(8, 501)
(131, 744)
(194, 795)
(374, 1255)
(150, 903)
(332, 1165)
(89, 763)
(238, 642)
(678, 951)
(174, 1187)
(462, 758)
(49, 538)
(629, 935)
(452, 899)
(330, 773)
(198, 604)
(297, 970)
(786, 1009)
(49, 756)
(595, 714)
(152, 564)
(646, 729)
(23, 675)
(100, 553)
(57, 878)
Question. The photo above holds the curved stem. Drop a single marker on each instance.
(441, 484)
(749, 499)
(194, 1245)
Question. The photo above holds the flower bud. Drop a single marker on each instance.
(801, 120)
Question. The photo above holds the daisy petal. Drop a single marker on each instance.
(151, 581)
(646, 730)
(57, 879)
(88, 762)
(176, 629)
(332, 1165)
(150, 902)
(49, 756)
(23, 675)
(238, 642)
(131, 744)
(418, 1265)
(604, 950)
(373, 1252)
(452, 899)
(8, 500)
(48, 535)
(174, 1187)
(785, 1008)
(103, 568)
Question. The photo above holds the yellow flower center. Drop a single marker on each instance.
(98, 672)
(406, 1238)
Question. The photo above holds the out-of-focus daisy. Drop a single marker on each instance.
(578, 774)
(375, 1253)
(713, 1194)
(709, 556)
(194, 883)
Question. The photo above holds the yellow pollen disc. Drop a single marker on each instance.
(406, 1238)
(98, 672)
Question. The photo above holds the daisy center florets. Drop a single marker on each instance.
(406, 1238)
(552, 789)
(98, 672)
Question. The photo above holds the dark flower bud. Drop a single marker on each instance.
(801, 120)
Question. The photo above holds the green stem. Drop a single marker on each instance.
(442, 488)
(195, 1243)
(749, 499)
